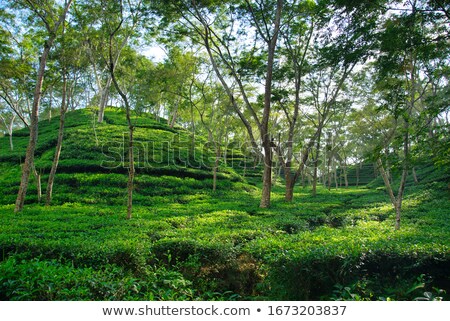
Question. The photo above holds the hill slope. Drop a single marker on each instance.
(93, 160)
(185, 242)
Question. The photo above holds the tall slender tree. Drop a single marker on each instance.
(52, 17)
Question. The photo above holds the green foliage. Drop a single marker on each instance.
(38, 279)
(187, 243)
(403, 289)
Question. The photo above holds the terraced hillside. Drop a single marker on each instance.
(93, 161)
(186, 242)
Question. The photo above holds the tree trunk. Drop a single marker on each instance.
(174, 115)
(267, 174)
(130, 182)
(51, 177)
(345, 176)
(387, 183)
(50, 104)
(104, 100)
(398, 212)
(329, 177)
(9, 127)
(357, 174)
(335, 176)
(314, 181)
(29, 156)
(94, 128)
(416, 181)
(396, 201)
(266, 141)
(329, 173)
(316, 165)
(131, 169)
(37, 177)
(289, 193)
(11, 145)
(216, 167)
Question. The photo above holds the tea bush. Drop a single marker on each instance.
(186, 242)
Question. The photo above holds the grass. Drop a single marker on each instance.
(187, 243)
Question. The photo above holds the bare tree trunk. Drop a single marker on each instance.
(267, 174)
(29, 157)
(104, 100)
(216, 167)
(51, 177)
(9, 128)
(328, 178)
(329, 173)
(416, 181)
(174, 115)
(335, 175)
(10, 131)
(131, 169)
(158, 108)
(289, 194)
(130, 182)
(401, 188)
(316, 164)
(94, 128)
(396, 201)
(386, 181)
(314, 180)
(358, 166)
(266, 141)
(37, 177)
(345, 175)
(50, 104)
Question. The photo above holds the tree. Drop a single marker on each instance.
(68, 55)
(52, 22)
(115, 46)
(408, 51)
(95, 19)
(8, 122)
(297, 36)
(17, 52)
(213, 25)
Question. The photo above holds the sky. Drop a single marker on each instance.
(154, 53)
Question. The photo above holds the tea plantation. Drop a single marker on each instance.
(186, 242)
